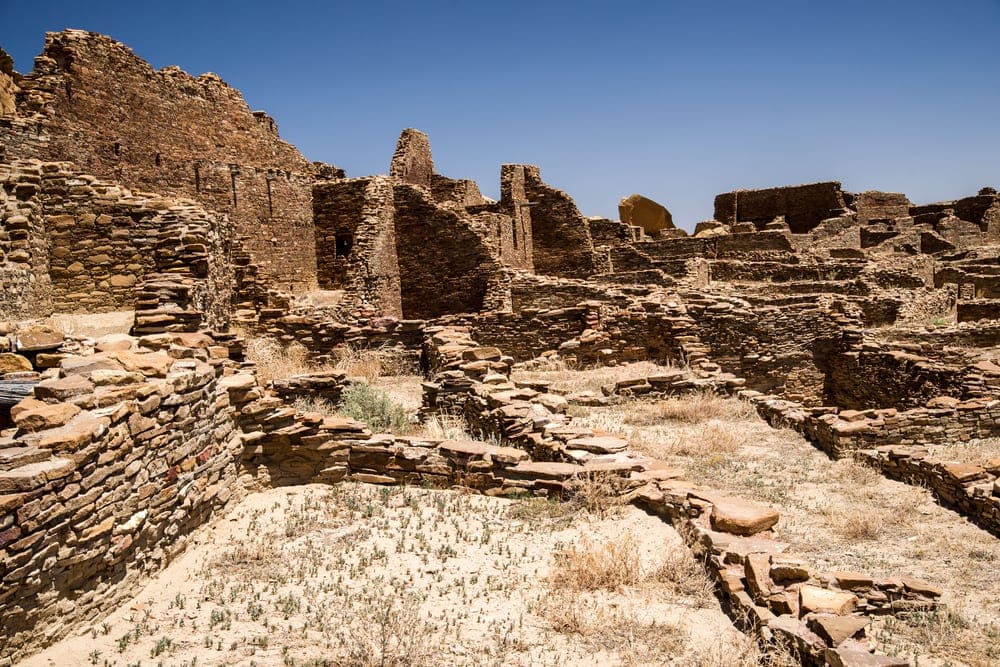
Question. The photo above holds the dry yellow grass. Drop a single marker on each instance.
(566, 380)
(691, 408)
(275, 361)
(610, 565)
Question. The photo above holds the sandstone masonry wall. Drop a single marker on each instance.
(92, 101)
(111, 466)
(80, 245)
(356, 242)
(560, 235)
(803, 206)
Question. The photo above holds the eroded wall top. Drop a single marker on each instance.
(92, 101)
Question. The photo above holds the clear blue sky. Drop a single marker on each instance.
(675, 100)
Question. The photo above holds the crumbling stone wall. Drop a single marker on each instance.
(874, 205)
(462, 191)
(8, 87)
(356, 242)
(412, 162)
(92, 101)
(803, 206)
(24, 252)
(446, 264)
(80, 245)
(560, 234)
(111, 468)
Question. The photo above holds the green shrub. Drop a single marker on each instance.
(373, 407)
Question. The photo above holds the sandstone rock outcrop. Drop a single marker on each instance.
(644, 212)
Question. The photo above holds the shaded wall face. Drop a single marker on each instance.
(356, 243)
(445, 264)
(560, 236)
(804, 206)
(167, 132)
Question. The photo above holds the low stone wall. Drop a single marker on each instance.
(767, 591)
(113, 463)
(972, 490)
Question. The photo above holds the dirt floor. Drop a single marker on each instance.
(362, 575)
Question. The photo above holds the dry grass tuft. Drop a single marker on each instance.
(276, 361)
(685, 577)
(707, 440)
(600, 495)
(692, 408)
(314, 404)
(940, 632)
(388, 632)
(444, 427)
(610, 565)
(855, 524)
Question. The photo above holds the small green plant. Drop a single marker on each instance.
(373, 407)
(163, 644)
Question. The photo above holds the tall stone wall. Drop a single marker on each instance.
(447, 263)
(412, 162)
(560, 234)
(91, 101)
(803, 206)
(356, 242)
(514, 236)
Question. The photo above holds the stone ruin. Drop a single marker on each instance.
(866, 322)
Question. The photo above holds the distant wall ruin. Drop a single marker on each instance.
(803, 206)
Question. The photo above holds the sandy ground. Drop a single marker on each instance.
(352, 574)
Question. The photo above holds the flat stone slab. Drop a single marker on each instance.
(837, 629)
(45, 416)
(826, 601)
(552, 470)
(740, 517)
(599, 444)
(38, 338)
(856, 657)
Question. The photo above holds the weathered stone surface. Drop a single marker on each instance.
(45, 416)
(543, 470)
(836, 629)
(643, 212)
(857, 657)
(599, 444)
(39, 338)
(826, 601)
(64, 388)
(13, 363)
(731, 515)
(151, 364)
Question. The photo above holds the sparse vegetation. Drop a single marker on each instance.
(373, 407)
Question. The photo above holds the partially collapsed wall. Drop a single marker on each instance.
(75, 244)
(91, 101)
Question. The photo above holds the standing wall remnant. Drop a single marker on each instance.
(356, 242)
(560, 234)
(803, 206)
(92, 101)
(412, 162)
